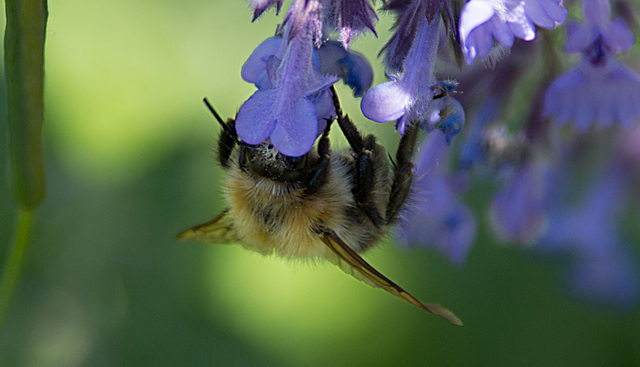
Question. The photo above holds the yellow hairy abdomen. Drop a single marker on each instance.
(274, 217)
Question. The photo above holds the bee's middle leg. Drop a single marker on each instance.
(366, 154)
(367, 159)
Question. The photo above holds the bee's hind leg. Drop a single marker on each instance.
(403, 173)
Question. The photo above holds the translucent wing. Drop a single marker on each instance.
(220, 229)
(351, 263)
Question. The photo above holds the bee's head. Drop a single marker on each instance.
(267, 161)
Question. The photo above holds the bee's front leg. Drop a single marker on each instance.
(227, 141)
(320, 168)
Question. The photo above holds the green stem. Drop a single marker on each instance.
(14, 262)
(24, 40)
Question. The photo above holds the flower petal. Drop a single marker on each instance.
(474, 13)
(554, 10)
(358, 73)
(536, 12)
(518, 212)
(502, 33)
(479, 43)
(296, 128)
(325, 109)
(255, 120)
(385, 102)
(256, 63)
(586, 111)
(523, 28)
(596, 12)
(579, 37)
(618, 36)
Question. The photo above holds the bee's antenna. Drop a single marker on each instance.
(213, 111)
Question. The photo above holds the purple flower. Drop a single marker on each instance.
(589, 93)
(610, 279)
(350, 17)
(283, 108)
(483, 20)
(351, 66)
(444, 113)
(268, 53)
(615, 36)
(261, 6)
(408, 95)
(411, 15)
(451, 119)
(304, 16)
(600, 88)
(518, 211)
(331, 58)
(589, 226)
(602, 269)
(436, 217)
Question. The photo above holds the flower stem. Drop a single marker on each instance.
(15, 259)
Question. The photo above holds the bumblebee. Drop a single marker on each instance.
(323, 204)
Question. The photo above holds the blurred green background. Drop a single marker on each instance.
(130, 164)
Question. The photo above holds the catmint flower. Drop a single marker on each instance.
(436, 217)
(600, 88)
(351, 17)
(411, 14)
(518, 211)
(330, 59)
(260, 6)
(408, 95)
(444, 113)
(589, 93)
(451, 119)
(305, 16)
(589, 226)
(351, 66)
(615, 34)
(611, 279)
(602, 270)
(282, 108)
(269, 52)
(483, 20)
(261, 68)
